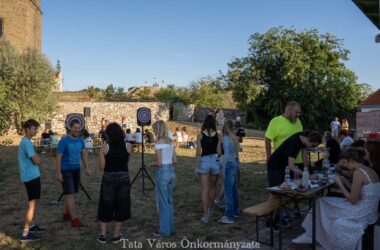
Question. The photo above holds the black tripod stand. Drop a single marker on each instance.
(81, 187)
(142, 172)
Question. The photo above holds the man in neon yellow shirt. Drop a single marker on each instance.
(282, 127)
(279, 129)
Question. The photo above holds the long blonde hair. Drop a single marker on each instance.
(228, 130)
(162, 131)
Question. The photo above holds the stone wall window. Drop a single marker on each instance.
(1, 27)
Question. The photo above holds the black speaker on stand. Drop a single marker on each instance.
(143, 119)
(86, 114)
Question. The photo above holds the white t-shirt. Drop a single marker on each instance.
(128, 137)
(88, 142)
(185, 137)
(138, 137)
(179, 136)
(335, 126)
(347, 141)
(167, 151)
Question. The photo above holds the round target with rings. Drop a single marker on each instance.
(74, 116)
(143, 115)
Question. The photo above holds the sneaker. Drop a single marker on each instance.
(204, 219)
(296, 212)
(220, 204)
(157, 234)
(30, 237)
(76, 223)
(101, 239)
(36, 228)
(116, 240)
(303, 239)
(66, 217)
(210, 212)
(225, 220)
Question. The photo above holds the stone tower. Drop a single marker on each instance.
(21, 23)
(58, 78)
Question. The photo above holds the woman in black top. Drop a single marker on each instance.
(114, 202)
(207, 165)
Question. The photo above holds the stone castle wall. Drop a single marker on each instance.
(22, 23)
(192, 113)
(112, 111)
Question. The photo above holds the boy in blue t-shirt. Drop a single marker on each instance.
(70, 152)
(30, 176)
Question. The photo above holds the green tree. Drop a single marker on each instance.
(172, 93)
(29, 80)
(109, 91)
(8, 66)
(208, 92)
(94, 92)
(5, 120)
(283, 65)
(119, 93)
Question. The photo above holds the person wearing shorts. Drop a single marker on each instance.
(30, 176)
(207, 164)
(114, 201)
(70, 152)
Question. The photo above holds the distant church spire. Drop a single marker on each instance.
(58, 65)
(58, 77)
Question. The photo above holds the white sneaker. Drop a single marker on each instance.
(303, 239)
(204, 219)
(226, 220)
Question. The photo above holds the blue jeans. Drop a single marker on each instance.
(209, 164)
(165, 181)
(231, 193)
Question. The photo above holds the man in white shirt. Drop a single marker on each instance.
(335, 127)
(345, 139)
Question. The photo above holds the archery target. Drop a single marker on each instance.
(74, 116)
(143, 116)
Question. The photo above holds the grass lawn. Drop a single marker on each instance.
(60, 235)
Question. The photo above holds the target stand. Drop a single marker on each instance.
(143, 119)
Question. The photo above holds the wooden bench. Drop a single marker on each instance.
(263, 209)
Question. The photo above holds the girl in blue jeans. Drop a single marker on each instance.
(231, 166)
(165, 179)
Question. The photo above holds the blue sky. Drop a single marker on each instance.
(128, 42)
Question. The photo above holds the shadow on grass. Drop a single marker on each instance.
(144, 221)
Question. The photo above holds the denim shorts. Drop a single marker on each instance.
(209, 164)
(71, 181)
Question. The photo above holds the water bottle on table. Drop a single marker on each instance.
(287, 174)
(305, 178)
(326, 164)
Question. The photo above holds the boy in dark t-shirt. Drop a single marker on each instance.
(285, 155)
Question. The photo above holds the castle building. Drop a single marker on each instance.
(21, 23)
